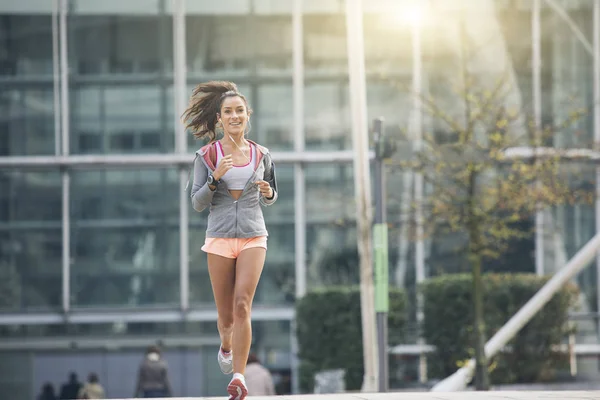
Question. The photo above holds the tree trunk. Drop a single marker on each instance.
(482, 381)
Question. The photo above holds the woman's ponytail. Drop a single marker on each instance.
(201, 115)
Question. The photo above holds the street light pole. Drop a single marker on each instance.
(380, 239)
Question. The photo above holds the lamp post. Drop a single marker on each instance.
(384, 148)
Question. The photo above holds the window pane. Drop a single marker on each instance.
(567, 71)
(122, 119)
(125, 237)
(388, 40)
(30, 240)
(331, 226)
(277, 284)
(121, 91)
(325, 47)
(274, 117)
(326, 105)
(241, 45)
(115, 42)
(26, 45)
(573, 226)
(26, 71)
(327, 116)
(255, 52)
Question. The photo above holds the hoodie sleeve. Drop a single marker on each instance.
(201, 193)
(271, 179)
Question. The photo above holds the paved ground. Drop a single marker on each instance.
(499, 395)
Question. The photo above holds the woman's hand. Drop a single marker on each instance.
(265, 189)
(225, 165)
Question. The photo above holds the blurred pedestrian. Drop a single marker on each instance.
(258, 378)
(69, 390)
(153, 376)
(47, 392)
(233, 176)
(92, 388)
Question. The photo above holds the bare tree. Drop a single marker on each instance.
(474, 190)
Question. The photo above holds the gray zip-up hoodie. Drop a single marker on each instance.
(228, 217)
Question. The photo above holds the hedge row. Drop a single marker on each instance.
(329, 332)
(528, 357)
(330, 335)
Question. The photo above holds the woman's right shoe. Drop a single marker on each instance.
(225, 361)
(237, 389)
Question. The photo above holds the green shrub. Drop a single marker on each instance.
(329, 331)
(448, 325)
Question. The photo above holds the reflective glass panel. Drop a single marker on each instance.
(249, 43)
(124, 237)
(332, 257)
(26, 70)
(30, 240)
(121, 87)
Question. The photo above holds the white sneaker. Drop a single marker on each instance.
(225, 361)
(237, 388)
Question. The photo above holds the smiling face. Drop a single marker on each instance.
(234, 115)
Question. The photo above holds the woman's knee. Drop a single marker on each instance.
(242, 308)
(226, 321)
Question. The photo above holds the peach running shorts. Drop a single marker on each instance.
(232, 247)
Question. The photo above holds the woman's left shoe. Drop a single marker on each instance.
(225, 361)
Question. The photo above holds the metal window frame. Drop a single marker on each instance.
(91, 161)
(596, 97)
(106, 344)
(300, 266)
(179, 93)
(536, 72)
(128, 316)
(64, 138)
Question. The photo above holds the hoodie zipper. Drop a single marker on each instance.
(250, 181)
(248, 184)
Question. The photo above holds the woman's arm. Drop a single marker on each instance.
(271, 179)
(201, 193)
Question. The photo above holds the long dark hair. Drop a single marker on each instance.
(201, 115)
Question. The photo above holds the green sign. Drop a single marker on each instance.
(380, 248)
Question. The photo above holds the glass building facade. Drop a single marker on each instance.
(99, 246)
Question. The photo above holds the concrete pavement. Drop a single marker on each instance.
(492, 395)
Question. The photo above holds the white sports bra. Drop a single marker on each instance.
(237, 177)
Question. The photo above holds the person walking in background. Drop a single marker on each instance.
(69, 390)
(47, 392)
(92, 388)
(233, 176)
(153, 376)
(258, 378)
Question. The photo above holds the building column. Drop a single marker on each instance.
(299, 179)
(179, 93)
(536, 72)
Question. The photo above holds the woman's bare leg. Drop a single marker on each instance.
(222, 279)
(248, 269)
